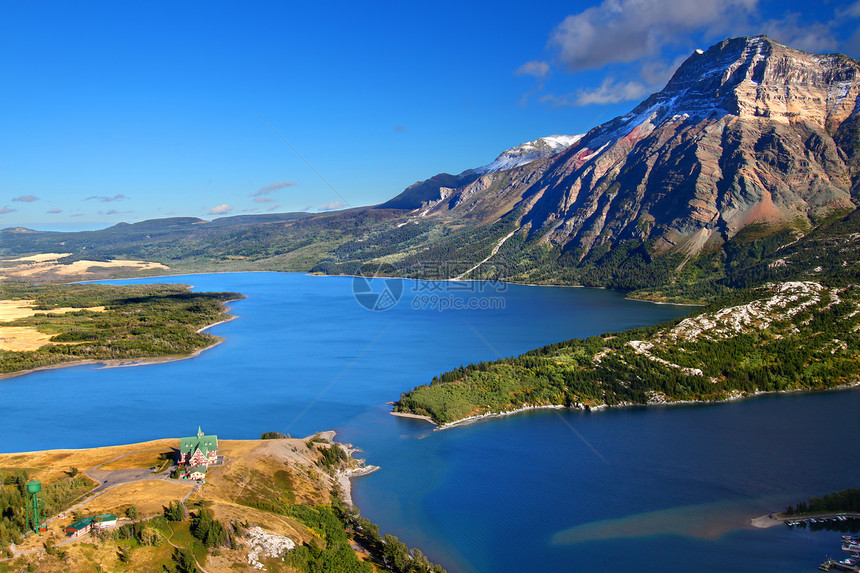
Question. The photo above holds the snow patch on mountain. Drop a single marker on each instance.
(529, 152)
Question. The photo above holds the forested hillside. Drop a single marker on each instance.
(780, 337)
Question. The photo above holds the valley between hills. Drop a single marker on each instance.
(744, 161)
(739, 179)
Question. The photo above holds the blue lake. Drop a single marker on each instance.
(650, 489)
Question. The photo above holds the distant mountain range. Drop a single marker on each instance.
(749, 152)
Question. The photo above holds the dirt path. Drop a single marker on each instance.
(170, 541)
(492, 254)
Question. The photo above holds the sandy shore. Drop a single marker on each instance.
(413, 416)
(112, 363)
(765, 521)
(344, 480)
(214, 324)
(478, 418)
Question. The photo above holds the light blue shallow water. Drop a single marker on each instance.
(650, 489)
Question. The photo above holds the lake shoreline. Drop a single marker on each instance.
(343, 478)
(489, 415)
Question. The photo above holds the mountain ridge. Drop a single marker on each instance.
(709, 154)
(749, 147)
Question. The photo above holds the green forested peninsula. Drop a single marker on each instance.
(847, 500)
(106, 322)
(784, 336)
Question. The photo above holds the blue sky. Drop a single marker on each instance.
(121, 111)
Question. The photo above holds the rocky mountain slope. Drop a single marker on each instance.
(748, 132)
(747, 159)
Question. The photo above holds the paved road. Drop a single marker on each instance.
(108, 479)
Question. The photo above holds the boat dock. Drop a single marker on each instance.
(850, 545)
(839, 565)
(814, 519)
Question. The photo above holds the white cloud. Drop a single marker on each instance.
(220, 209)
(534, 68)
(852, 46)
(537, 69)
(104, 199)
(273, 187)
(852, 11)
(331, 206)
(656, 73)
(4, 210)
(263, 199)
(26, 198)
(609, 91)
(792, 31)
(624, 31)
(54, 211)
(652, 38)
(273, 208)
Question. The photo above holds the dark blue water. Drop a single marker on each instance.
(647, 489)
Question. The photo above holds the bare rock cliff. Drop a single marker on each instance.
(749, 131)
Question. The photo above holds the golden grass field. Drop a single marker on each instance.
(248, 473)
(263, 473)
(48, 264)
(140, 460)
(50, 465)
(148, 496)
(22, 338)
(25, 338)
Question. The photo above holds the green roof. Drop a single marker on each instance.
(82, 523)
(201, 469)
(201, 441)
(105, 517)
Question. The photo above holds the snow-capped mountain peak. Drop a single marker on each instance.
(528, 152)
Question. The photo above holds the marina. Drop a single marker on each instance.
(850, 545)
(832, 518)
